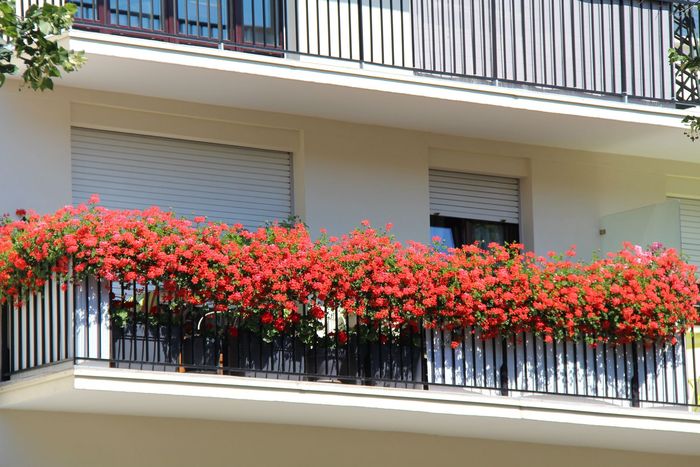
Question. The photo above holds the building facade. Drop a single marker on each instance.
(548, 123)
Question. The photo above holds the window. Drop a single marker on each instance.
(456, 232)
(690, 229)
(224, 183)
(467, 208)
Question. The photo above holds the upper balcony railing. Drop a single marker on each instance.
(120, 325)
(604, 48)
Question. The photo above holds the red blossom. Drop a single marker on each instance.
(282, 278)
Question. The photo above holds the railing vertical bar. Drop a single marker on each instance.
(74, 317)
(340, 36)
(555, 361)
(146, 319)
(496, 379)
(42, 337)
(159, 339)
(582, 42)
(328, 26)
(473, 29)
(98, 285)
(552, 42)
(464, 35)
(14, 344)
(591, 34)
(453, 38)
(675, 370)
(656, 373)
(603, 60)
(50, 298)
(646, 373)
(442, 352)
(634, 386)
(696, 382)
(371, 29)
(503, 382)
(585, 368)
(595, 368)
(617, 388)
(442, 29)
(391, 23)
(665, 373)
(474, 356)
(546, 366)
(633, 55)
(35, 327)
(464, 358)
(20, 311)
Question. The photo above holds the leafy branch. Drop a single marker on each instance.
(30, 40)
(688, 61)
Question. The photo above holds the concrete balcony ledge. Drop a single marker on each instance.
(572, 421)
(376, 95)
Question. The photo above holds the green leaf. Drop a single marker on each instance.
(45, 27)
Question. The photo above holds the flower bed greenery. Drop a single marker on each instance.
(279, 279)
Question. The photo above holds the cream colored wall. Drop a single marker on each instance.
(34, 150)
(343, 172)
(39, 439)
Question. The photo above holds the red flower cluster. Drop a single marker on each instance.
(279, 279)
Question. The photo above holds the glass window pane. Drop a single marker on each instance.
(445, 233)
(488, 232)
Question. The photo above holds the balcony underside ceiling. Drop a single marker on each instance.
(379, 97)
(461, 414)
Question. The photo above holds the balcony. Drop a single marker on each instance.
(101, 324)
(215, 322)
(608, 50)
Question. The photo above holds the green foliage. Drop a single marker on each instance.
(688, 61)
(29, 40)
(693, 131)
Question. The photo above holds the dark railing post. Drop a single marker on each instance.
(623, 50)
(4, 349)
(424, 356)
(360, 32)
(634, 382)
(504, 366)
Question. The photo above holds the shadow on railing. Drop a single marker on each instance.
(129, 326)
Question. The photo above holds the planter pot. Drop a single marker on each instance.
(155, 348)
(370, 363)
(249, 355)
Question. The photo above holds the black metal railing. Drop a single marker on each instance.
(129, 326)
(606, 48)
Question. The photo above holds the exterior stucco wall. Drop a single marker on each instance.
(343, 172)
(37, 439)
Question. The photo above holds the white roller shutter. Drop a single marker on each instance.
(690, 229)
(223, 183)
(479, 197)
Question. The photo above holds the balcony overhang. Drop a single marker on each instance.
(351, 92)
(462, 414)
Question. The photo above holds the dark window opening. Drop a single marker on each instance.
(456, 232)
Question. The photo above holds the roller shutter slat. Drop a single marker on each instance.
(223, 183)
(690, 229)
(478, 197)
